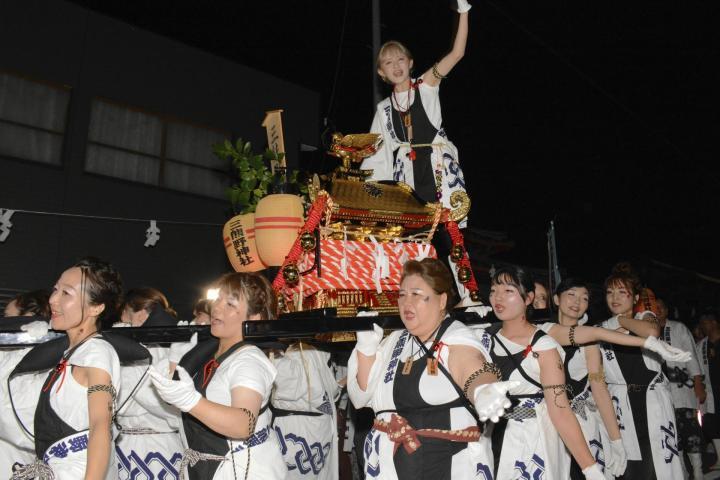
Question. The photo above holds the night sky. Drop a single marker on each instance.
(599, 115)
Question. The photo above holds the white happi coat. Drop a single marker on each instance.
(391, 161)
(149, 439)
(248, 367)
(16, 446)
(678, 335)
(309, 444)
(702, 356)
(659, 410)
(531, 447)
(474, 462)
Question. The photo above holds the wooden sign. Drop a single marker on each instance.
(276, 141)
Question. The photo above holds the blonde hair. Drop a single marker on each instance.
(392, 46)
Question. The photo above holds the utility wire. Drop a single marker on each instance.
(116, 219)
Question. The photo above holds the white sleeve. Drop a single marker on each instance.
(546, 327)
(97, 353)
(546, 342)
(687, 343)
(461, 334)
(250, 368)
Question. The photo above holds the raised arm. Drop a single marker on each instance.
(100, 410)
(368, 343)
(583, 335)
(647, 326)
(552, 378)
(442, 68)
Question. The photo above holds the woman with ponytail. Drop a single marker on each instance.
(73, 417)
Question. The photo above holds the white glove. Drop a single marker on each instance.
(180, 393)
(36, 329)
(490, 400)
(462, 6)
(368, 342)
(667, 352)
(178, 350)
(594, 472)
(618, 458)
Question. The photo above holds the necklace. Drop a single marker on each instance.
(406, 116)
(408, 363)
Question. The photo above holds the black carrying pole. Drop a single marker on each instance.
(307, 324)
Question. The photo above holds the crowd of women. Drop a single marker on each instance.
(508, 400)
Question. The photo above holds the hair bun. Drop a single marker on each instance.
(623, 268)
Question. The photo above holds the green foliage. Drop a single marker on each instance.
(254, 178)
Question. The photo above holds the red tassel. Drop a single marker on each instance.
(412, 155)
(208, 371)
(457, 239)
(59, 370)
(313, 220)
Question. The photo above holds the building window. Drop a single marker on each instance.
(33, 117)
(128, 143)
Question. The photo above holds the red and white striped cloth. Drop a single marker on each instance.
(360, 266)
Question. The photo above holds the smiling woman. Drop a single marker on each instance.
(540, 412)
(638, 385)
(77, 401)
(223, 388)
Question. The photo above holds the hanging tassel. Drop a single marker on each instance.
(152, 234)
(344, 260)
(5, 224)
(382, 264)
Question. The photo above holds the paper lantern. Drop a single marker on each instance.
(240, 245)
(278, 219)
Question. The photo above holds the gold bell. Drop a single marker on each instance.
(457, 252)
(291, 274)
(464, 274)
(307, 241)
(475, 296)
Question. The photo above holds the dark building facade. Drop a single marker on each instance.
(101, 119)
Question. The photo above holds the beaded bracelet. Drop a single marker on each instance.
(486, 368)
(559, 389)
(437, 74)
(571, 336)
(596, 377)
(102, 388)
(251, 420)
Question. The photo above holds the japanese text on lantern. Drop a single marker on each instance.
(239, 241)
